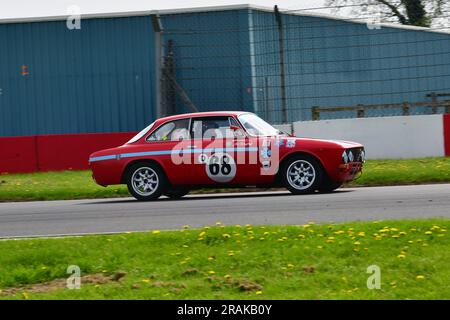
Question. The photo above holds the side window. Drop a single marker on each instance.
(210, 127)
(171, 131)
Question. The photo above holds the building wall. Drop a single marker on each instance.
(97, 79)
(399, 137)
(338, 63)
(212, 58)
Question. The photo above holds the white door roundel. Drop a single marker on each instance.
(221, 167)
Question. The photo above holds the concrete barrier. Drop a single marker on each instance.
(385, 137)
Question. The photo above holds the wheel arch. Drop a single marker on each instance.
(133, 162)
(289, 156)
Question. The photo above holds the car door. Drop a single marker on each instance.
(168, 145)
(221, 152)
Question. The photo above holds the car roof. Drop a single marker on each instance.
(202, 114)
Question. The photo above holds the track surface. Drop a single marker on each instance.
(21, 219)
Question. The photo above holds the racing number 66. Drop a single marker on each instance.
(218, 165)
(221, 167)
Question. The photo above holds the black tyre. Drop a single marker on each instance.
(302, 174)
(145, 181)
(329, 186)
(176, 192)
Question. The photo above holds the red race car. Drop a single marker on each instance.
(224, 149)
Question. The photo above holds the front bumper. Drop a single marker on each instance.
(349, 171)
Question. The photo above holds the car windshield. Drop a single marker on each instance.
(141, 134)
(257, 126)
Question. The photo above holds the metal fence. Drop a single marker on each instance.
(283, 65)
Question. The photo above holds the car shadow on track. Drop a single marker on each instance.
(213, 196)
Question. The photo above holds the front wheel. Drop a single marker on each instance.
(145, 181)
(302, 174)
(329, 186)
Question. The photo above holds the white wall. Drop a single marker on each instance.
(288, 128)
(383, 137)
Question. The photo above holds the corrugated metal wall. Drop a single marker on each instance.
(102, 78)
(212, 65)
(97, 79)
(337, 63)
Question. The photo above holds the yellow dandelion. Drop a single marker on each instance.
(211, 272)
(401, 256)
(218, 223)
(428, 232)
(202, 234)
(290, 265)
(227, 276)
(210, 258)
(420, 277)
(226, 235)
(156, 231)
(145, 280)
(361, 234)
(258, 292)
(356, 243)
(186, 226)
(25, 295)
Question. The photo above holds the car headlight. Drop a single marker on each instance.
(350, 156)
(344, 157)
(363, 156)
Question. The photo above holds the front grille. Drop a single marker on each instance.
(357, 152)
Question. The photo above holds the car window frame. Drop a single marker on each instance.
(163, 124)
(224, 116)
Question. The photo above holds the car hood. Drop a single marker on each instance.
(340, 143)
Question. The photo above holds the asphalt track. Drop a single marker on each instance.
(72, 217)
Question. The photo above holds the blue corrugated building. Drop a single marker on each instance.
(106, 76)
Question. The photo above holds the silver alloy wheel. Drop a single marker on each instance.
(301, 174)
(145, 181)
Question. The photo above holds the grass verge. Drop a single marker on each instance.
(79, 184)
(326, 261)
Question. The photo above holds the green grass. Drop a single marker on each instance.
(327, 261)
(79, 184)
(408, 171)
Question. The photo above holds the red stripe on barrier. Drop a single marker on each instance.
(446, 118)
(54, 152)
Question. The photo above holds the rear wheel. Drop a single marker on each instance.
(145, 181)
(302, 174)
(176, 193)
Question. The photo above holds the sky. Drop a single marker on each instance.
(39, 8)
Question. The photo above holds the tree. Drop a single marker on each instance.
(423, 13)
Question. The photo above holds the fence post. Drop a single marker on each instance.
(405, 109)
(433, 96)
(315, 113)
(360, 111)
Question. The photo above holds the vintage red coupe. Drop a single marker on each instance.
(176, 154)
